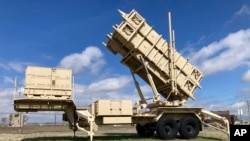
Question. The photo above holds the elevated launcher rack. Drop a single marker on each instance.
(172, 78)
(148, 55)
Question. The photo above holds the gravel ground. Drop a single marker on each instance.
(32, 131)
(60, 133)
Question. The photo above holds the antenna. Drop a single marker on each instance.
(171, 55)
(248, 109)
(170, 29)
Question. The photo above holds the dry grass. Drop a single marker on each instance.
(105, 133)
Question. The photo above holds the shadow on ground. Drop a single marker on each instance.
(114, 137)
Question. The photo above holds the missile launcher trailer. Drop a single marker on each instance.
(173, 80)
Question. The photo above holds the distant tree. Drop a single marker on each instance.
(234, 118)
(25, 118)
(4, 120)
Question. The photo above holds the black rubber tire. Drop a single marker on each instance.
(167, 128)
(145, 130)
(189, 127)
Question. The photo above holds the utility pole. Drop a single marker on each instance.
(240, 114)
(248, 105)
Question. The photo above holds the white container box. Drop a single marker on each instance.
(113, 108)
(48, 83)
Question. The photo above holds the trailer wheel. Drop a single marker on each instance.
(145, 130)
(167, 128)
(189, 127)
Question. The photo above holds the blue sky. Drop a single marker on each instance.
(214, 35)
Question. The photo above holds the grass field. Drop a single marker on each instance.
(108, 133)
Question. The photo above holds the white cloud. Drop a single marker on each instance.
(109, 84)
(242, 13)
(79, 88)
(146, 89)
(238, 105)
(16, 66)
(6, 97)
(226, 54)
(47, 57)
(6, 92)
(245, 10)
(8, 80)
(108, 88)
(243, 94)
(246, 76)
(90, 58)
